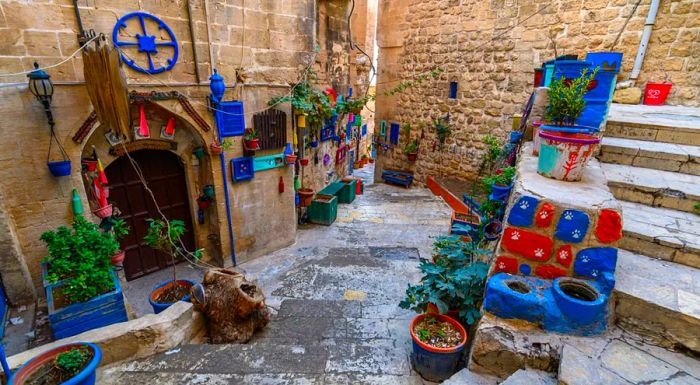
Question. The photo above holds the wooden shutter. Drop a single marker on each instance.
(271, 126)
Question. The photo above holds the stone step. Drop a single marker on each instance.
(659, 300)
(653, 187)
(624, 360)
(656, 155)
(530, 377)
(662, 233)
(670, 124)
(467, 377)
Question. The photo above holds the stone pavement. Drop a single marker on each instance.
(335, 296)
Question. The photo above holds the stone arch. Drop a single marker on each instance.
(198, 172)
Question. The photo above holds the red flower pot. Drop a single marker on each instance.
(91, 165)
(655, 94)
(304, 162)
(305, 196)
(412, 157)
(216, 148)
(290, 159)
(118, 257)
(252, 144)
(103, 212)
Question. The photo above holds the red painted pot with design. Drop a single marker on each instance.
(252, 144)
(118, 257)
(564, 155)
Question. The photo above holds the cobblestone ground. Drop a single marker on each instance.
(335, 294)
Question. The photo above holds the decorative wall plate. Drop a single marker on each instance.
(135, 26)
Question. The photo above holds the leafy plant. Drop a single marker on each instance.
(696, 207)
(306, 99)
(502, 177)
(251, 134)
(494, 149)
(165, 236)
(72, 361)
(411, 147)
(455, 280)
(349, 105)
(566, 98)
(490, 208)
(442, 128)
(406, 129)
(80, 256)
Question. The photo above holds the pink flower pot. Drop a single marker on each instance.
(103, 212)
(564, 155)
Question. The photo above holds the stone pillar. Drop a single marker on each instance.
(16, 279)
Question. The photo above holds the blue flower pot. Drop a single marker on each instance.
(84, 377)
(492, 230)
(158, 288)
(574, 129)
(314, 143)
(60, 168)
(515, 136)
(500, 193)
(436, 364)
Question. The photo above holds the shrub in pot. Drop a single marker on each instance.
(566, 102)
(165, 236)
(79, 278)
(73, 363)
(499, 184)
(411, 150)
(250, 140)
(120, 230)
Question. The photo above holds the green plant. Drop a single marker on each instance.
(72, 361)
(502, 177)
(490, 207)
(566, 98)
(251, 134)
(442, 129)
(307, 100)
(494, 149)
(696, 207)
(354, 105)
(455, 280)
(165, 236)
(411, 147)
(406, 130)
(80, 256)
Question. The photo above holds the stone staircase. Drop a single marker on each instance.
(651, 158)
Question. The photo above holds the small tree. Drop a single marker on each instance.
(566, 98)
(165, 236)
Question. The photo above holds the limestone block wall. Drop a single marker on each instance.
(265, 44)
(491, 48)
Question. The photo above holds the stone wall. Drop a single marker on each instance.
(491, 48)
(265, 44)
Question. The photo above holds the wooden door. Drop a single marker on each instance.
(165, 176)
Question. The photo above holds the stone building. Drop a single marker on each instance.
(490, 49)
(259, 47)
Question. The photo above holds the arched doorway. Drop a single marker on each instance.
(165, 176)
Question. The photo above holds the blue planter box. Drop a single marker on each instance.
(242, 169)
(103, 310)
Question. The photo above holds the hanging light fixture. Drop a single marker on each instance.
(41, 86)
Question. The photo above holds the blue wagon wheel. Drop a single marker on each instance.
(146, 43)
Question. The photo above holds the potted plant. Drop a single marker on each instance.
(250, 140)
(566, 103)
(73, 363)
(492, 229)
(217, 148)
(198, 152)
(438, 342)
(120, 229)
(411, 150)
(500, 183)
(304, 162)
(165, 236)
(79, 280)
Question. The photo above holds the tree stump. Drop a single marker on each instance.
(234, 307)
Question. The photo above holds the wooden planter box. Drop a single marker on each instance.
(102, 310)
(347, 193)
(398, 177)
(323, 209)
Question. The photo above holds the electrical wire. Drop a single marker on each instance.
(624, 26)
(53, 65)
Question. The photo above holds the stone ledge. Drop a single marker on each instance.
(142, 337)
(661, 156)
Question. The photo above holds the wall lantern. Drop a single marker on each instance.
(41, 86)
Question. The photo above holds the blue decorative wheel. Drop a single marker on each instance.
(134, 25)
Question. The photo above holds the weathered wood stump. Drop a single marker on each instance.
(234, 307)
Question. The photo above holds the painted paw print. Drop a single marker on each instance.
(563, 255)
(594, 273)
(515, 236)
(544, 214)
(539, 253)
(524, 205)
(501, 266)
(576, 234)
(585, 259)
(568, 216)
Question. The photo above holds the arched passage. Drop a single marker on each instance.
(164, 174)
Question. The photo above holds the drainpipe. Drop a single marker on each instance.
(646, 34)
(194, 42)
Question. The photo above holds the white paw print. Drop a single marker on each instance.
(515, 236)
(524, 205)
(539, 253)
(544, 214)
(576, 234)
(501, 265)
(563, 254)
(594, 273)
(568, 215)
(585, 259)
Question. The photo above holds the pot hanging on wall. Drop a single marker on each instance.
(61, 167)
(208, 191)
(198, 152)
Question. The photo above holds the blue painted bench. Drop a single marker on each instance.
(398, 177)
